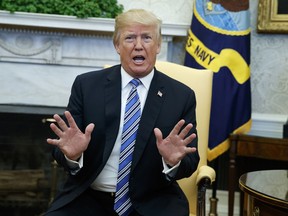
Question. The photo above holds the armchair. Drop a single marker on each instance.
(200, 81)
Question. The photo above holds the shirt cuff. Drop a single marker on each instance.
(171, 171)
(74, 166)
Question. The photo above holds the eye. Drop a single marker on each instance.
(129, 39)
(147, 38)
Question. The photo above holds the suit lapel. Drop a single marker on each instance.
(112, 109)
(154, 101)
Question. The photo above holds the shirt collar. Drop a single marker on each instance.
(126, 78)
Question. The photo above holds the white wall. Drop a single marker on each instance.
(171, 11)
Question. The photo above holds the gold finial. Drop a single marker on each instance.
(209, 6)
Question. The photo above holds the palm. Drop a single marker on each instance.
(174, 147)
(72, 141)
(169, 149)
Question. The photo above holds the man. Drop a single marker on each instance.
(91, 141)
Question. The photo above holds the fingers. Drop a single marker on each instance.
(175, 131)
(70, 119)
(185, 131)
(189, 139)
(56, 130)
(181, 133)
(182, 138)
(89, 130)
(189, 150)
(53, 141)
(61, 123)
(61, 127)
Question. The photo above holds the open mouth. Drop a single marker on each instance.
(138, 59)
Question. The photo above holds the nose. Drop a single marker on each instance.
(138, 43)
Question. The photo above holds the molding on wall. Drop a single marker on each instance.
(49, 46)
(72, 25)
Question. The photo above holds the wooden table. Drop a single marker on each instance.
(265, 192)
(253, 147)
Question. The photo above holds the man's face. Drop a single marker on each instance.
(138, 47)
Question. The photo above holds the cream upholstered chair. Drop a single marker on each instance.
(200, 81)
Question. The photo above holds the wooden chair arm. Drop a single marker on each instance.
(206, 175)
(206, 172)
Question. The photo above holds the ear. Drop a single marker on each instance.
(159, 48)
(117, 48)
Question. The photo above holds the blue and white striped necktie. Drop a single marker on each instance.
(122, 204)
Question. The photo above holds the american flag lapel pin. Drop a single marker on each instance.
(159, 93)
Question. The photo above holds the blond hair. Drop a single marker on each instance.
(136, 16)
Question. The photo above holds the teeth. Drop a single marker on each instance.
(138, 60)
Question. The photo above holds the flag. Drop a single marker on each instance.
(219, 40)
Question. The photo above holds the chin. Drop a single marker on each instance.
(140, 71)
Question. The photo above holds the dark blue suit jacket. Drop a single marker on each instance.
(96, 98)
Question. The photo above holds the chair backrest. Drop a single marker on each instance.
(201, 82)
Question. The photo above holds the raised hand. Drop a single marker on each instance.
(72, 142)
(174, 147)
